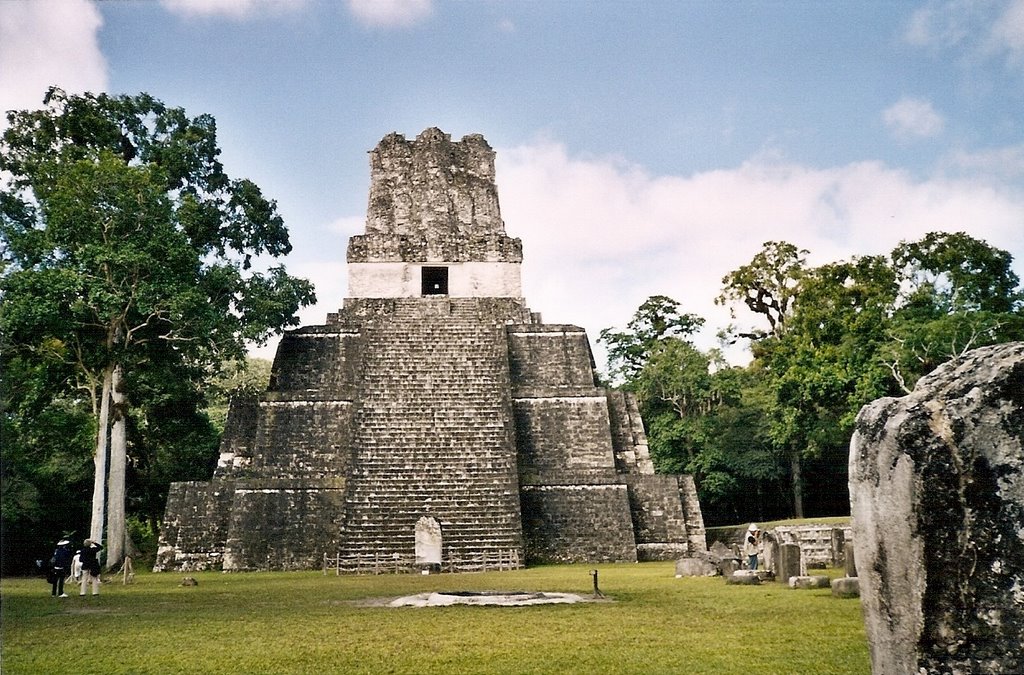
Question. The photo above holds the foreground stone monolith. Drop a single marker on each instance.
(937, 496)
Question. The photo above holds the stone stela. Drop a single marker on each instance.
(434, 418)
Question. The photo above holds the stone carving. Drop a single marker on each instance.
(789, 562)
(428, 542)
(937, 495)
(433, 390)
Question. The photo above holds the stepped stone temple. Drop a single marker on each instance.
(434, 421)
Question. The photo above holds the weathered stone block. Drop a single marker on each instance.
(846, 587)
(695, 567)
(937, 496)
(789, 562)
(743, 578)
(809, 582)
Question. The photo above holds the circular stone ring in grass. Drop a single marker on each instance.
(501, 598)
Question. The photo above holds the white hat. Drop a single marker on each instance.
(752, 528)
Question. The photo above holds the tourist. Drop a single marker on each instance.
(90, 565)
(752, 546)
(76, 566)
(60, 564)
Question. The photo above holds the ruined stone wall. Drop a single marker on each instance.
(283, 524)
(318, 363)
(195, 526)
(465, 280)
(276, 500)
(659, 521)
(577, 523)
(563, 439)
(628, 437)
(574, 509)
(432, 199)
(550, 357)
(431, 184)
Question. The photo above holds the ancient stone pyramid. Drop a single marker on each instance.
(434, 420)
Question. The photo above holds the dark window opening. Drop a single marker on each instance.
(435, 281)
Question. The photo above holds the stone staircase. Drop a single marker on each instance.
(433, 437)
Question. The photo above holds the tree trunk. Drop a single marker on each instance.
(116, 530)
(798, 485)
(99, 482)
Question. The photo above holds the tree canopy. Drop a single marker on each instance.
(133, 268)
(829, 339)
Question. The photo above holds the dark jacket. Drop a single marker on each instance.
(88, 558)
(62, 556)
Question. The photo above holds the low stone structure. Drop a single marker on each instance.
(696, 567)
(819, 544)
(789, 562)
(743, 578)
(937, 495)
(434, 422)
(809, 582)
(846, 587)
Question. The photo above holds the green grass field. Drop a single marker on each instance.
(304, 622)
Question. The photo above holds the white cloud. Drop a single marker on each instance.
(390, 13)
(232, 9)
(913, 118)
(48, 42)
(980, 29)
(600, 236)
(1008, 30)
(942, 24)
(347, 225)
(1007, 163)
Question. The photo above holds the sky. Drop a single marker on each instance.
(643, 147)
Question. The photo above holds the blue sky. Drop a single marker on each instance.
(643, 147)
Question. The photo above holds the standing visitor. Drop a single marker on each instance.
(90, 565)
(60, 564)
(752, 546)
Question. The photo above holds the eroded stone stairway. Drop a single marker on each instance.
(433, 437)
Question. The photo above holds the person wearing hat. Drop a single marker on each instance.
(90, 565)
(752, 545)
(60, 564)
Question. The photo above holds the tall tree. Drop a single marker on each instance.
(957, 293)
(657, 320)
(122, 235)
(842, 334)
(767, 285)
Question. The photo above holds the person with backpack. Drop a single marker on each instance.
(60, 566)
(90, 565)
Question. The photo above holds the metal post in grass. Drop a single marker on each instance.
(597, 591)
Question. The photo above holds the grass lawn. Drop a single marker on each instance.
(304, 622)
